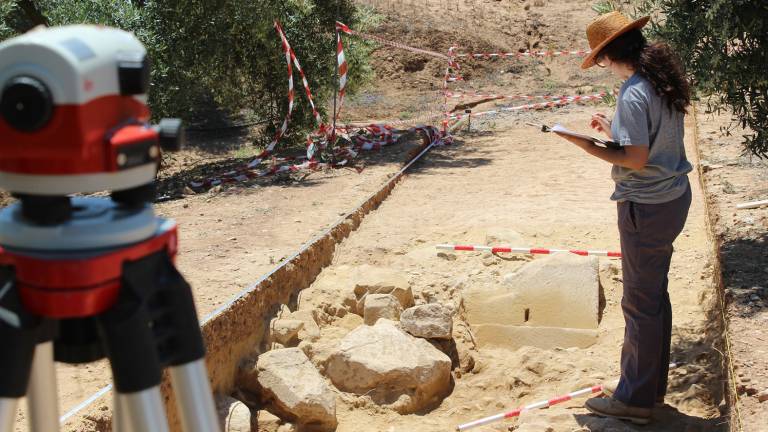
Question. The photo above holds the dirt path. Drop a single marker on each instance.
(550, 193)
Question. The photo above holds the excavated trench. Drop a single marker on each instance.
(353, 327)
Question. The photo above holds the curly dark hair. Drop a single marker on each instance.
(655, 62)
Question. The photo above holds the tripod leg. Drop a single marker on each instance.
(20, 331)
(7, 413)
(193, 397)
(141, 411)
(178, 337)
(119, 421)
(42, 401)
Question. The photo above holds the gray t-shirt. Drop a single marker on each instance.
(643, 118)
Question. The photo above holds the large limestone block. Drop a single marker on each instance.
(390, 366)
(558, 291)
(431, 320)
(320, 350)
(296, 390)
(381, 306)
(540, 337)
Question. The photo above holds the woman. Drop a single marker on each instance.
(653, 196)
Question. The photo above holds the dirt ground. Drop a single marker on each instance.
(477, 188)
(501, 176)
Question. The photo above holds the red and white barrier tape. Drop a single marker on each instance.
(458, 116)
(381, 40)
(383, 135)
(451, 65)
(534, 406)
(342, 62)
(523, 250)
(280, 132)
(542, 105)
(523, 54)
(380, 135)
(462, 95)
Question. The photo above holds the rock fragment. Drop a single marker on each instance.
(431, 321)
(381, 306)
(295, 390)
(285, 331)
(234, 416)
(393, 368)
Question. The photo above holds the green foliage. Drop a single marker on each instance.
(605, 6)
(6, 8)
(724, 46)
(215, 59)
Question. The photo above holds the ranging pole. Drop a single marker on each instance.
(527, 250)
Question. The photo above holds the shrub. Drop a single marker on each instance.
(724, 46)
(215, 60)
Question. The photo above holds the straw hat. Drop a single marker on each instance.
(605, 29)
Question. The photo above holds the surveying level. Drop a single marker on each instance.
(83, 278)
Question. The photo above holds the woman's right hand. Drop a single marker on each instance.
(601, 123)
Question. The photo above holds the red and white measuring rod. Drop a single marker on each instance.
(521, 250)
(537, 405)
(533, 406)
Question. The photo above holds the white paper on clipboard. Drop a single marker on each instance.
(563, 130)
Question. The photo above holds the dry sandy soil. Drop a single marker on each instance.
(501, 176)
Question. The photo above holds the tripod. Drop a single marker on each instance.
(87, 278)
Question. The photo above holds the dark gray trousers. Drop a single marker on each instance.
(647, 232)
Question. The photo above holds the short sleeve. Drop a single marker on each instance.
(632, 121)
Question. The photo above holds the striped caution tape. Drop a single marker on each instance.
(462, 95)
(535, 106)
(286, 47)
(558, 53)
(342, 63)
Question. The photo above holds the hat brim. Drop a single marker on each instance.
(637, 24)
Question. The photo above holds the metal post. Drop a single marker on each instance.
(42, 391)
(7, 414)
(194, 397)
(144, 410)
(468, 112)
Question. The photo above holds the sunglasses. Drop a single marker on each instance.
(601, 61)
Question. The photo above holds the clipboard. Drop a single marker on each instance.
(563, 130)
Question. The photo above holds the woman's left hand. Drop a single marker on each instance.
(583, 143)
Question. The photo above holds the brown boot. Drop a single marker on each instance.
(610, 407)
(609, 389)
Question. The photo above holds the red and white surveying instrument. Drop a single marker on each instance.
(82, 278)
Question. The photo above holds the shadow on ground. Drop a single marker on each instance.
(175, 182)
(666, 419)
(455, 155)
(744, 262)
